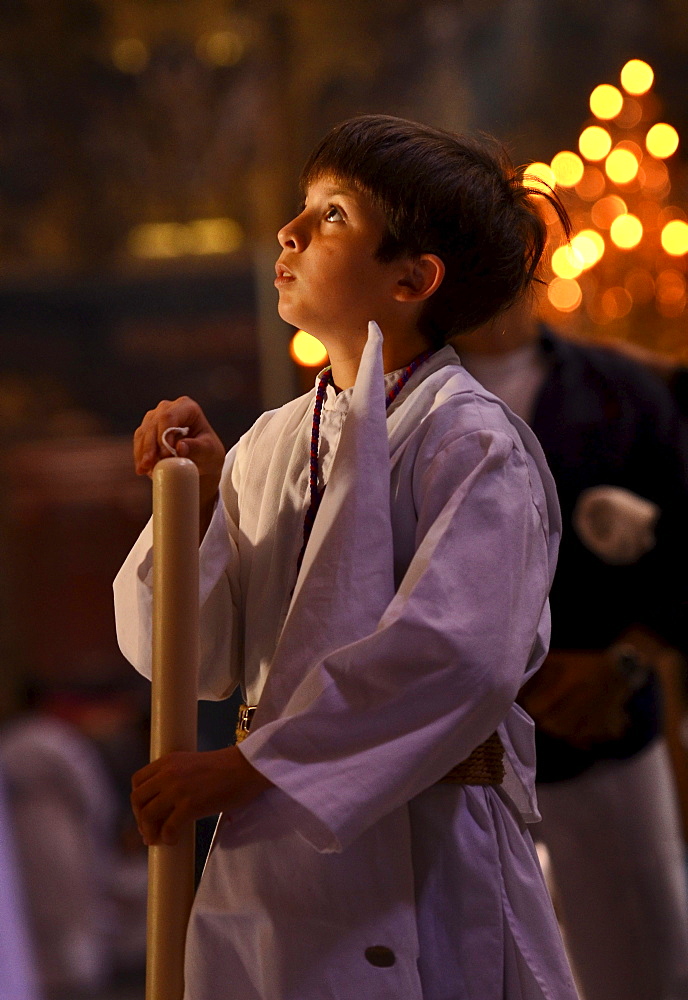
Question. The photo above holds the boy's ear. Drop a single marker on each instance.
(421, 277)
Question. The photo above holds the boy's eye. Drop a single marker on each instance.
(333, 214)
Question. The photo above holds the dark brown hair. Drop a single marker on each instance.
(455, 196)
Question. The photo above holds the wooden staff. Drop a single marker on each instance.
(174, 710)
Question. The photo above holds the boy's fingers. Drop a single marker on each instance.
(146, 772)
(171, 828)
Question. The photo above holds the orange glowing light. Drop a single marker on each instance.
(653, 175)
(671, 310)
(306, 350)
(591, 185)
(671, 286)
(589, 245)
(637, 77)
(565, 294)
(630, 114)
(594, 142)
(567, 168)
(539, 176)
(616, 302)
(632, 146)
(675, 237)
(640, 285)
(567, 261)
(662, 140)
(177, 239)
(621, 166)
(221, 48)
(606, 210)
(626, 231)
(130, 55)
(606, 102)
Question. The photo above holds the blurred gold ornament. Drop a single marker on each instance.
(306, 350)
(594, 142)
(565, 294)
(637, 77)
(539, 176)
(606, 102)
(567, 168)
(626, 231)
(662, 140)
(621, 166)
(606, 210)
(567, 262)
(130, 55)
(589, 245)
(675, 237)
(616, 302)
(591, 185)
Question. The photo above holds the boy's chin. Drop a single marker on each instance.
(289, 315)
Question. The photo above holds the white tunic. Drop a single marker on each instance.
(420, 609)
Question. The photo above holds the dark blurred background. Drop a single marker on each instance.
(149, 151)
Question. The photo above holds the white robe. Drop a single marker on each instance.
(420, 609)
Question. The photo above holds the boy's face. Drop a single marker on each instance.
(329, 280)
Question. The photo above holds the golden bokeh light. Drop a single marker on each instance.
(567, 168)
(606, 210)
(591, 185)
(626, 231)
(630, 114)
(606, 102)
(306, 350)
(616, 302)
(221, 48)
(539, 176)
(662, 140)
(589, 245)
(594, 142)
(621, 166)
(632, 146)
(637, 77)
(671, 286)
(675, 237)
(654, 176)
(671, 310)
(567, 261)
(565, 294)
(177, 239)
(640, 285)
(130, 55)
(671, 293)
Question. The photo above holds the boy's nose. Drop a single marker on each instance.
(290, 237)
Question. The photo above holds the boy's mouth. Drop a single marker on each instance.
(284, 275)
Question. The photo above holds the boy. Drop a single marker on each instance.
(384, 640)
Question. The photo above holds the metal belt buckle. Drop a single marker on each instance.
(246, 713)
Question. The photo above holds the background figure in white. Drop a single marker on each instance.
(605, 788)
(17, 968)
(63, 808)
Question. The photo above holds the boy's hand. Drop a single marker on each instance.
(202, 445)
(181, 787)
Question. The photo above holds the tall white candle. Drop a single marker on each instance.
(174, 710)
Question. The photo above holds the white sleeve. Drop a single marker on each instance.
(381, 719)
(219, 595)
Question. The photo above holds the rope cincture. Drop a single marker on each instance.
(484, 766)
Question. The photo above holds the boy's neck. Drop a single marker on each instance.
(396, 354)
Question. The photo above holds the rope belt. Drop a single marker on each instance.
(485, 766)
